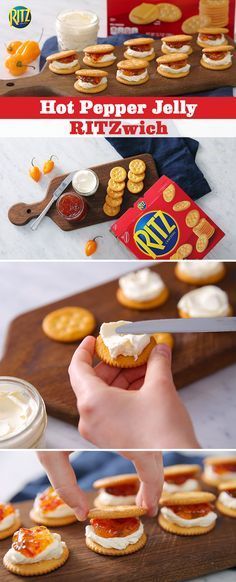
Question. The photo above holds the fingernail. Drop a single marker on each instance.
(164, 350)
(81, 515)
(153, 512)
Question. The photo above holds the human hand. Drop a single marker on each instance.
(137, 408)
(62, 477)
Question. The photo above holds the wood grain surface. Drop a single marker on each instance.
(30, 355)
(165, 558)
(22, 213)
(200, 79)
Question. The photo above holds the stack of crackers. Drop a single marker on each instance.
(136, 176)
(115, 191)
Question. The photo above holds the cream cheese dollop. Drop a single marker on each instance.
(53, 550)
(59, 65)
(211, 42)
(131, 78)
(200, 269)
(139, 54)
(203, 521)
(87, 85)
(119, 543)
(9, 520)
(183, 49)
(122, 345)
(227, 500)
(208, 301)
(227, 60)
(167, 69)
(211, 474)
(62, 510)
(143, 285)
(17, 411)
(189, 485)
(108, 499)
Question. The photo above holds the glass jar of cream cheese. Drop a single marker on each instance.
(76, 29)
(23, 417)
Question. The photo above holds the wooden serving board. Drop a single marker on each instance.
(22, 213)
(200, 79)
(165, 558)
(30, 355)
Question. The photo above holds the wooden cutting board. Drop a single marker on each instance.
(165, 558)
(22, 213)
(200, 79)
(30, 355)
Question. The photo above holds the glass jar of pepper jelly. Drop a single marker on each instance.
(72, 207)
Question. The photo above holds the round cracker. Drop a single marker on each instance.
(116, 186)
(94, 89)
(7, 533)
(192, 218)
(183, 531)
(170, 75)
(142, 305)
(118, 174)
(169, 193)
(191, 25)
(231, 485)
(141, 82)
(69, 324)
(181, 470)
(184, 251)
(116, 480)
(137, 167)
(109, 211)
(68, 71)
(225, 510)
(38, 568)
(180, 206)
(168, 12)
(113, 202)
(202, 243)
(112, 194)
(123, 361)
(135, 188)
(117, 512)
(52, 521)
(187, 498)
(112, 552)
(136, 178)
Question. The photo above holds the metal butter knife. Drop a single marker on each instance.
(58, 192)
(191, 325)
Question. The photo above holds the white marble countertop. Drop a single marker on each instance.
(216, 158)
(211, 401)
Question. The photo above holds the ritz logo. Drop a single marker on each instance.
(156, 233)
(20, 17)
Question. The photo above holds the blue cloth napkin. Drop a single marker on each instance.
(51, 46)
(92, 465)
(174, 157)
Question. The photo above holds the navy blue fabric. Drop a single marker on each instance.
(93, 465)
(174, 157)
(50, 46)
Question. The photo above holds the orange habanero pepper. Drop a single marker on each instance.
(13, 46)
(34, 171)
(15, 65)
(91, 246)
(28, 51)
(49, 165)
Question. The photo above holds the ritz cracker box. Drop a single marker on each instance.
(168, 18)
(166, 224)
